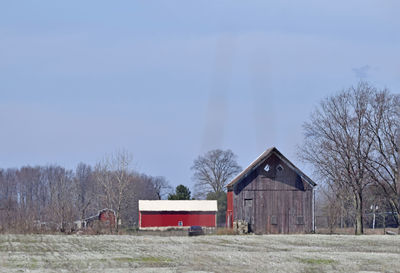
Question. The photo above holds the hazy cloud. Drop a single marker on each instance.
(362, 72)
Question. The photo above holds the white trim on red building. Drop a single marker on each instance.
(178, 205)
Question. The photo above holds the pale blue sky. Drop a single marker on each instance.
(169, 80)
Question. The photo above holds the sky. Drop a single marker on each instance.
(170, 80)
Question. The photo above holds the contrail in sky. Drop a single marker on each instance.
(263, 101)
(217, 108)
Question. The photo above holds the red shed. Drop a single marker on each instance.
(104, 217)
(177, 213)
(107, 216)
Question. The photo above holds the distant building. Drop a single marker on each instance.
(272, 196)
(177, 213)
(105, 217)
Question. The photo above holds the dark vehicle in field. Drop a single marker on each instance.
(195, 230)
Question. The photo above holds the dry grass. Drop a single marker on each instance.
(226, 231)
(350, 231)
(218, 253)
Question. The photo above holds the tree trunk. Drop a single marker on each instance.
(397, 183)
(398, 215)
(359, 228)
(116, 224)
(398, 223)
(117, 215)
(83, 214)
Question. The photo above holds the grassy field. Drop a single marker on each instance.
(251, 253)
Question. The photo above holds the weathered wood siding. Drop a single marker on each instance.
(274, 201)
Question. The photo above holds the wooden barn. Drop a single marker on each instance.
(272, 196)
(155, 214)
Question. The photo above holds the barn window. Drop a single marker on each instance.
(300, 220)
(274, 220)
(180, 223)
(279, 168)
(248, 202)
(267, 168)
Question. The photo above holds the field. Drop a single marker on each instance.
(251, 253)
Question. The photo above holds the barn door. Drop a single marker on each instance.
(289, 221)
(293, 221)
(248, 213)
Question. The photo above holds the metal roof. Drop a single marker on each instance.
(178, 205)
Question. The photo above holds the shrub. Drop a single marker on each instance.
(226, 231)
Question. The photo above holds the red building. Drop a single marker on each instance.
(105, 217)
(177, 213)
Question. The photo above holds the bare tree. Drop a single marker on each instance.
(213, 170)
(141, 189)
(28, 184)
(336, 206)
(84, 189)
(384, 167)
(8, 194)
(161, 186)
(338, 143)
(114, 176)
(61, 203)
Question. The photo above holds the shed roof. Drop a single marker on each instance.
(178, 205)
(261, 159)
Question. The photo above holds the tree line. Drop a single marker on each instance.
(53, 197)
(353, 142)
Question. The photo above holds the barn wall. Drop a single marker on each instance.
(274, 201)
(107, 216)
(171, 219)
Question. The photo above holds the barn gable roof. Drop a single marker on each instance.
(261, 159)
(178, 205)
